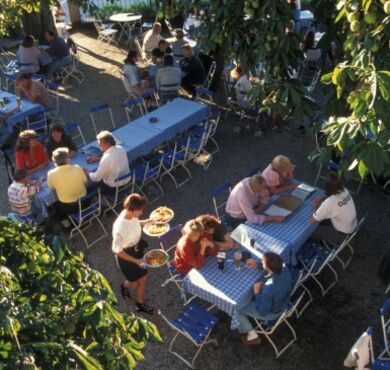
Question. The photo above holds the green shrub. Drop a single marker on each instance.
(58, 313)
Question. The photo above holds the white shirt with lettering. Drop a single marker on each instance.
(341, 211)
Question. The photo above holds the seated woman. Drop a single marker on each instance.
(159, 53)
(30, 153)
(215, 231)
(28, 55)
(191, 248)
(336, 206)
(59, 139)
(277, 172)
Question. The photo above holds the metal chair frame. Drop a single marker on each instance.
(121, 191)
(100, 109)
(268, 331)
(86, 215)
(105, 32)
(216, 193)
(79, 138)
(131, 103)
(202, 320)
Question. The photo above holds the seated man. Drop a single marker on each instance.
(191, 248)
(33, 90)
(246, 200)
(20, 194)
(178, 43)
(337, 206)
(58, 51)
(277, 172)
(151, 39)
(168, 80)
(30, 153)
(68, 181)
(113, 163)
(160, 52)
(272, 295)
(59, 139)
(193, 68)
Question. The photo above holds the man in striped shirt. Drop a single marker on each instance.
(20, 194)
(168, 79)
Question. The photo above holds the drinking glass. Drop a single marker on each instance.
(237, 259)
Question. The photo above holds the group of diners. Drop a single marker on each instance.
(172, 66)
(46, 59)
(205, 236)
(69, 181)
(335, 211)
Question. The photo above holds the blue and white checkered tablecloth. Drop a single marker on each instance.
(263, 242)
(230, 290)
(26, 109)
(46, 197)
(296, 229)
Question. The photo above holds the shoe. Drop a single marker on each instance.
(252, 342)
(125, 293)
(143, 307)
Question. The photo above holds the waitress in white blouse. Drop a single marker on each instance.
(129, 249)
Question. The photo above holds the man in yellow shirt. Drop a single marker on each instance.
(68, 181)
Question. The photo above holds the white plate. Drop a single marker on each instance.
(153, 216)
(166, 258)
(146, 229)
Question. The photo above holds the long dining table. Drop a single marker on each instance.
(138, 137)
(232, 289)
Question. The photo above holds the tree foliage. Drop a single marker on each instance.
(358, 127)
(58, 313)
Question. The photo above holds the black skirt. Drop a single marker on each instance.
(131, 270)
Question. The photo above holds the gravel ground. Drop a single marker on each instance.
(330, 325)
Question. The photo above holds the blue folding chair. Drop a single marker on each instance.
(148, 173)
(221, 192)
(195, 323)
(121, 192)
(89, 210)
(102, 110)
(73, 129)
(131, 105)
(267, 328)
(171, 160)
(385, 321)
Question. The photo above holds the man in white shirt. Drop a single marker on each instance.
(151, 39)
(337, 206)
(113, 164)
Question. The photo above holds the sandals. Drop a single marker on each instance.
(125, 293)
(143, 307)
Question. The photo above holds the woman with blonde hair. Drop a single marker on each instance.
(277, 173)
(191, 248)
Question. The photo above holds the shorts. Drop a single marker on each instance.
(130, 270)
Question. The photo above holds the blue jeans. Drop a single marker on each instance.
(57, 64)
(250, 310)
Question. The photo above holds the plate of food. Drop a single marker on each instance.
(155, 228)
(162, 214)
(155, 258)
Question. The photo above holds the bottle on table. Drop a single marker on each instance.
(237, 259)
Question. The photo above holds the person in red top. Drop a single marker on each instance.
(30, 153)
(191, 249)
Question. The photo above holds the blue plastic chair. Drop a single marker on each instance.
(194, 323)
(102, 109)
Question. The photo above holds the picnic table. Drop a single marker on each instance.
(26, 109)
(232, 290)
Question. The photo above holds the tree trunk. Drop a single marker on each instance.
(37, 23)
